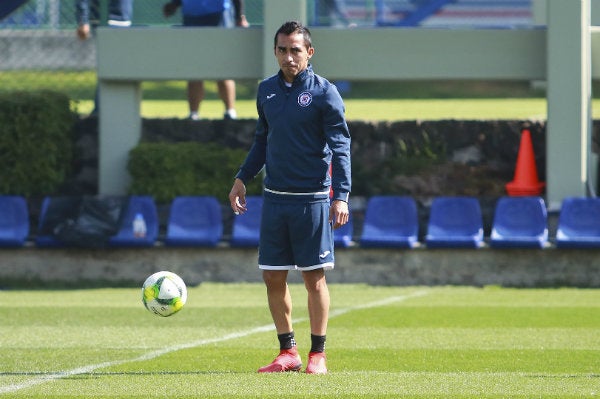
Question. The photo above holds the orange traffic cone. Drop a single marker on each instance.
(526, 177)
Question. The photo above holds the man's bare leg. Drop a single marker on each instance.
(318, 310)
(318, 300)
(280, 305)
(279, 298)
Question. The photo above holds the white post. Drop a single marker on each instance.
(569, 100)
(120, 129)
(276, 12)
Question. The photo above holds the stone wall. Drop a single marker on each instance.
(421, 159)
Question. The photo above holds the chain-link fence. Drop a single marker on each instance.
(60, 14)
(39, 48)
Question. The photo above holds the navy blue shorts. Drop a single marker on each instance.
(223, 19)
(295, 234)
(214, 19)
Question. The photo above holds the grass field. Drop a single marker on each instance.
(378, 110)
(383, 342)
(377, 101)
(370, 109)
(366, 100)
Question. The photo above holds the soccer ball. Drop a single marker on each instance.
(164, 293)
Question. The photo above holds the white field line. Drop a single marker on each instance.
(154, 354)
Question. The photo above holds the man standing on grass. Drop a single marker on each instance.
(301, 131)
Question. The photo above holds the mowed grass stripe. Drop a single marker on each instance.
(479, 316)
(469, 338)
(364, 384)
(469, 360)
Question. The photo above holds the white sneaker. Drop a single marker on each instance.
(230, 114)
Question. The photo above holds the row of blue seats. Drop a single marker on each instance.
(15, 223)
(457, 222)
(390, 221)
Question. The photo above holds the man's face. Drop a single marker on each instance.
(292, 55)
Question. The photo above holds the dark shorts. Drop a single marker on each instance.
(214, 19)
(295, 235)
(223, 19)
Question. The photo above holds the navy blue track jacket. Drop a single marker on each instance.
(300, 130)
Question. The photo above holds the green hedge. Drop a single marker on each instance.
(168, 170)
(36, 142)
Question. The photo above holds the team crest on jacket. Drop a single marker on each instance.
(304, 99)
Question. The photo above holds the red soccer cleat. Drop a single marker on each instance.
(287, 360)
(316, 363)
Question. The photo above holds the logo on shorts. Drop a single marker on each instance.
(324, 254)
(304, 99)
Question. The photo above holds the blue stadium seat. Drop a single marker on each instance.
(455, 222)
(519, 222)
(125, 238)
(342, 237)
(246, 227)
(8, 6)
(390, 221)
(194, 221)
(579, 223)
(44, 238)
(14, 221)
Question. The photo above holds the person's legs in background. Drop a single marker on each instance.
(195, 95)
(227, 94)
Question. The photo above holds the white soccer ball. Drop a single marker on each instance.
(164, 293)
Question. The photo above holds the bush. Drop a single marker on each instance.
(36, 142)
(168, 170)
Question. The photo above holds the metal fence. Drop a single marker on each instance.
(39, 47)
(60, 14)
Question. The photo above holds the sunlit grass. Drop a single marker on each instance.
(385, 342)
(374, 100)
(376, 110)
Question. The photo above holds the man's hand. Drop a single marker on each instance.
(338, 213)
(83, 31)
(237, 197)
(169, 9)
(242, 22)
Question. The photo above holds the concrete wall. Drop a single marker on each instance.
(551, 267)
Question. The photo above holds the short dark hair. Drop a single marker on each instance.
(290, 27)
